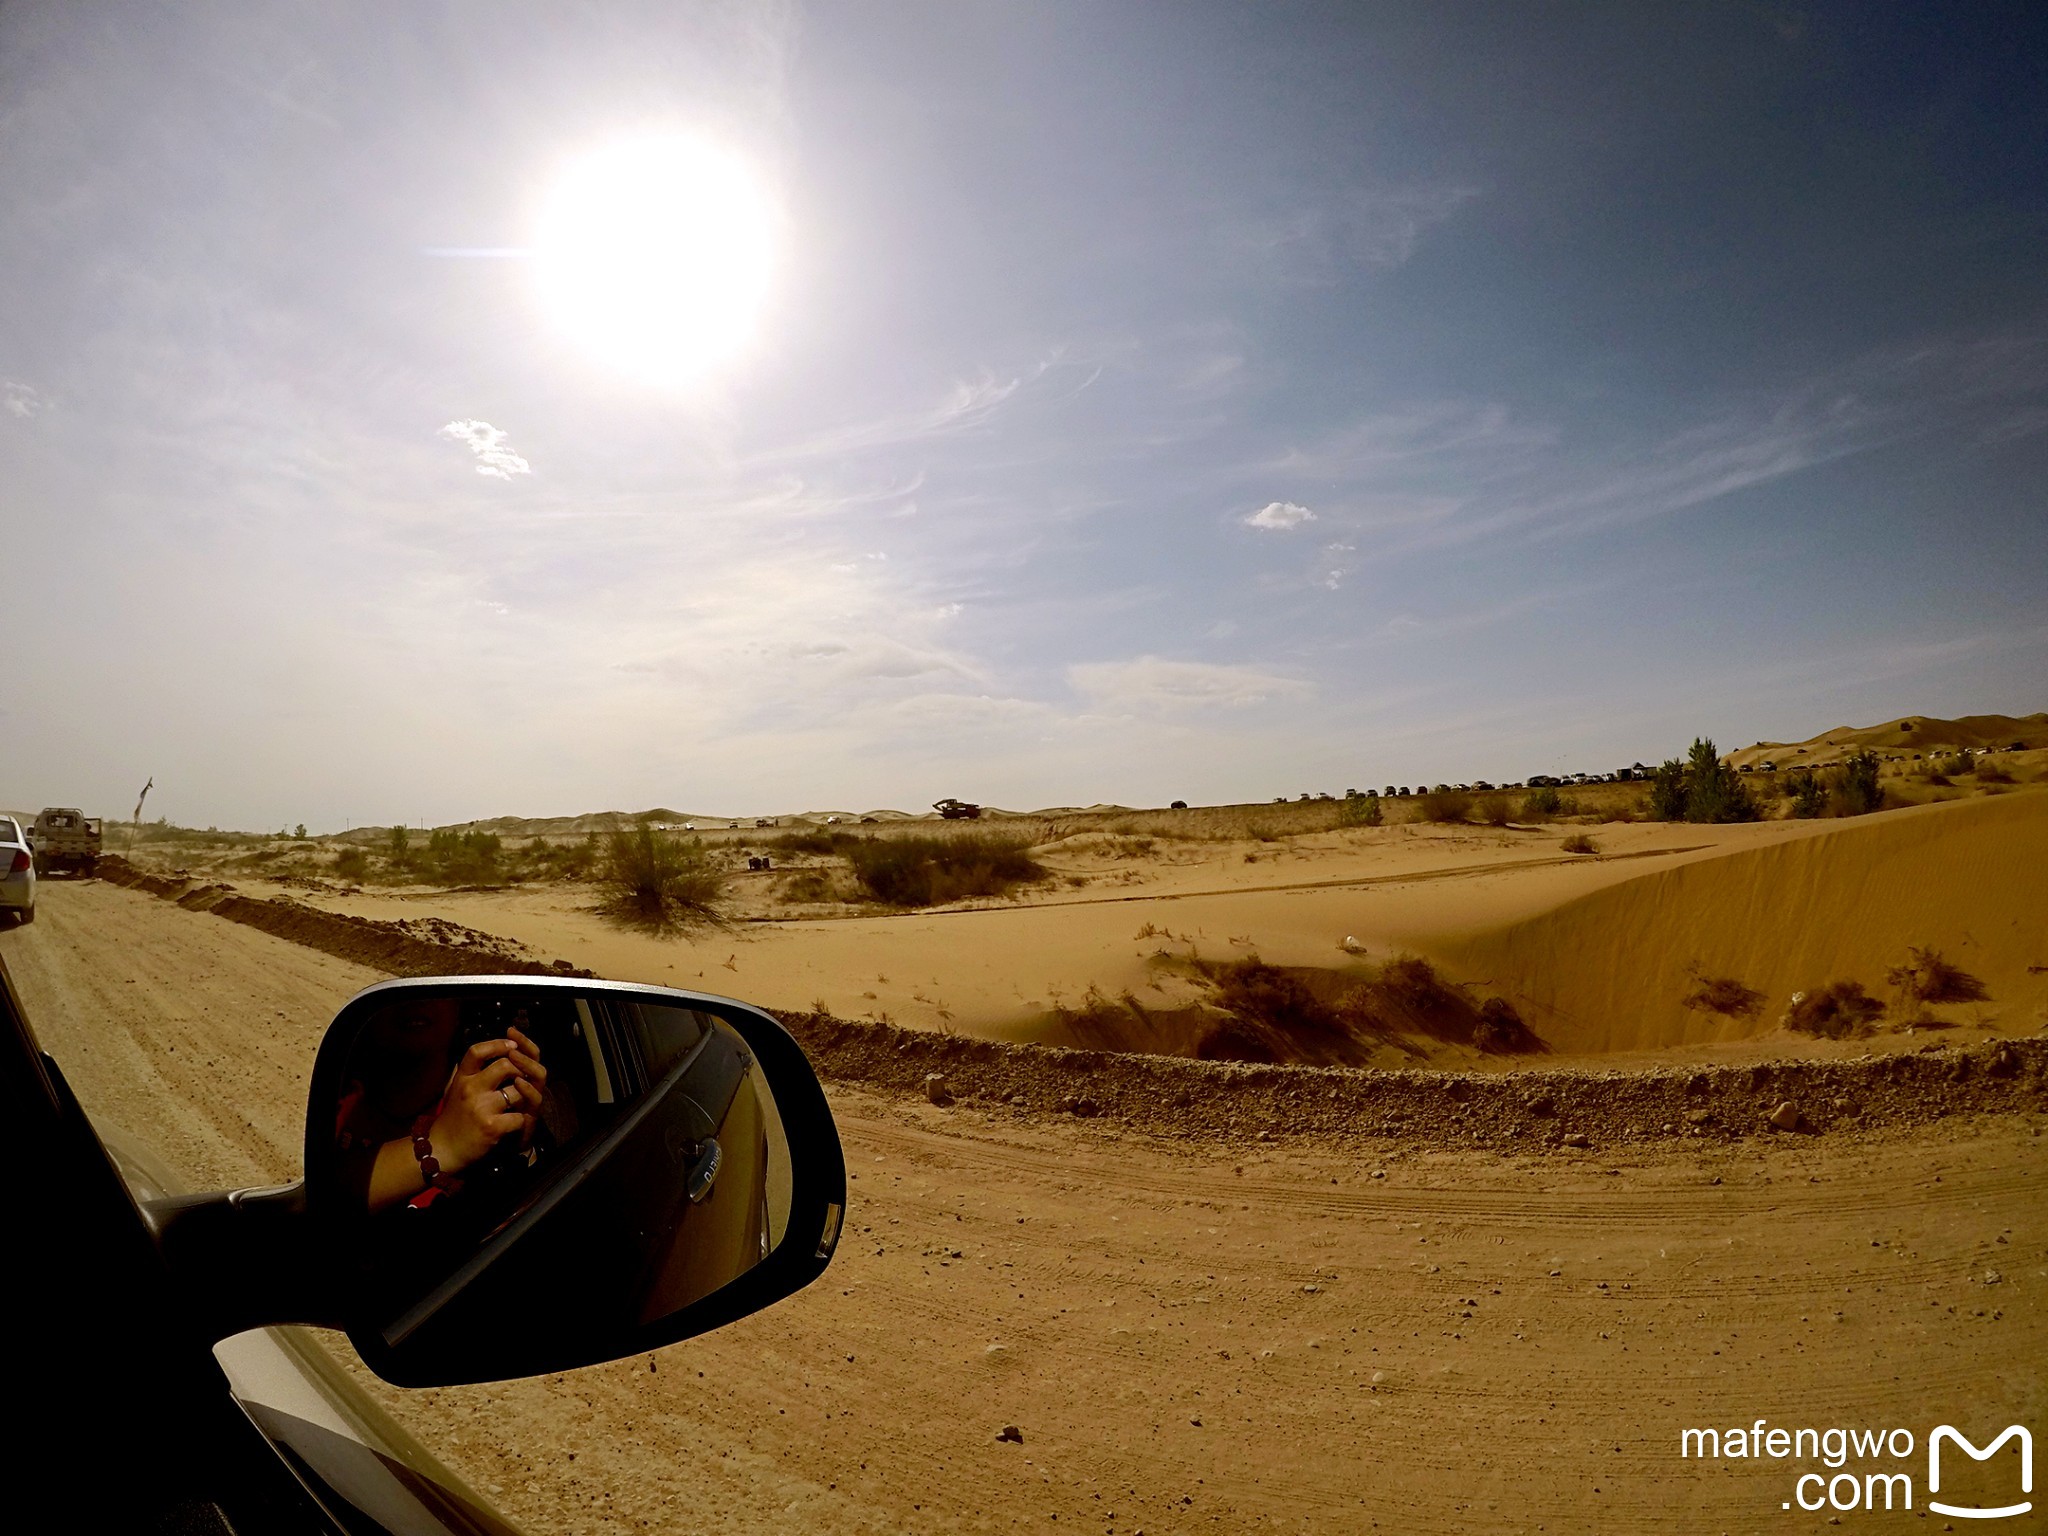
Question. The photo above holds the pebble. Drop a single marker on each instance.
(1010, 1433)
(1786, 1116)
(1578, 1139)
(935, 1088)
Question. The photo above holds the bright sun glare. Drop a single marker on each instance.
(655, 255)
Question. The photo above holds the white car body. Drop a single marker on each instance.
(17, 872)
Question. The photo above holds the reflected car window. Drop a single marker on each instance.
(665, 1035)
(9, 832)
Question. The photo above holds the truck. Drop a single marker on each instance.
(957, 810)
(67, 841)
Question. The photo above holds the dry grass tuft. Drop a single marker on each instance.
(1724, 995)
(1578, 842)
(658, 882)
(925, 871)
(1841, 1010)
(1446, 805)
(1926, 977)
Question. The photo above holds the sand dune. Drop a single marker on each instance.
(1907, 734)
(1609, 971)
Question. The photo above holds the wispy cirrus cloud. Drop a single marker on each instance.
(493, 457)
(22, 400)
(1378, 227)
(1148, 683)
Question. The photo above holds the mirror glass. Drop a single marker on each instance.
(554, 1166)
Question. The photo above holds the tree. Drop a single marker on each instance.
(1702, 788)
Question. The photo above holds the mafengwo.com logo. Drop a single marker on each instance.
(1873, 1470)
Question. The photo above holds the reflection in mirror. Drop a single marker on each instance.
(558, 1165)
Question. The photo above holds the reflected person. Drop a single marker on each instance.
(418, 1110)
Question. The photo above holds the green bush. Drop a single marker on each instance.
(352, 864)
(1855, 790)
(659, 882)
(1446, 805)
(1700, 789)
(1361, 811)
(925, 871)
(1541, 803)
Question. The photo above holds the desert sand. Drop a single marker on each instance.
(1598, 953)
(1308, 1333)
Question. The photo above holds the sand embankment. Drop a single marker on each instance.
(1609, 971)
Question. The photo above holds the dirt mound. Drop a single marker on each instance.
(1206, 1100)
(426, 946)
(1614, 970)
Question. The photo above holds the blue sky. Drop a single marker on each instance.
(1149, 402)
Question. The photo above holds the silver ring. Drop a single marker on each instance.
(505, 1094)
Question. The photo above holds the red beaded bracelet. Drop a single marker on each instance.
(423, 1149)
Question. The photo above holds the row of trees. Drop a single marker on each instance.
(1702, 788)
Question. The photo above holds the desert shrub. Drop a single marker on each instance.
(1841, 1010)
(659, 882)
(1701, 789)
(924, 871)
(1232, 1039)
(1496, 809)
(1541, 803)
(1500, 1030)
(1446, 805)
(1668, 791)
(806, 886)
(1726, 995)
(1853, 789)
(812, 840)
(1808, 795)
(1989, 772)
(455, 858)
(1957, 766)
(1361, 811)
(1413, 982)
(352, 864)
(1578, 842)
(1926, 977)
(1259, 993)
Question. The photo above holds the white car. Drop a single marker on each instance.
(17, 872)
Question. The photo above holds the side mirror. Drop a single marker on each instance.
(512, 1175)
(507, 1176)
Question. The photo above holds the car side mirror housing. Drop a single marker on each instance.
(512, 1175)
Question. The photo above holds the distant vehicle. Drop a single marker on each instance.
(17, 873)
(66, 839)
(689, 826)
(764, 821)
(1324, 794)
(1542, 781)
(1769, 766)
(1391, 791)
(957, 810)
(1748, 768)
(831, 821)
(1178, 805)
(732, 826)
(1481, 784)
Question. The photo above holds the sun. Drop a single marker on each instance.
(655, 255)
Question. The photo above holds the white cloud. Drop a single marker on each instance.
(1279, 516)
(1153, 682)
(487, 442)
(23, 400)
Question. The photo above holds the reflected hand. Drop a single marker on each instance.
(533, 1079)
(487, 1100)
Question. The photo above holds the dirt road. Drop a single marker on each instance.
(1270, 1335)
